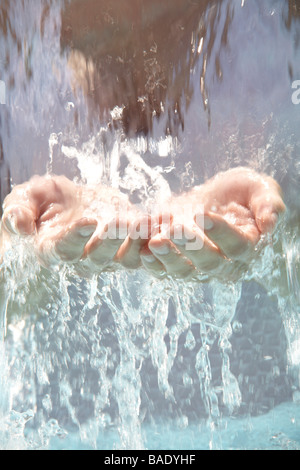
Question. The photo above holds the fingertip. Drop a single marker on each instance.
(266, 207)
(267, 221)
(208, 222)
(211, 222)
(147, 257)
(19, 221)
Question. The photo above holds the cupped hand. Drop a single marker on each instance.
(67, 222)
(213, 229)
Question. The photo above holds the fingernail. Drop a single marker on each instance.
(267, 221)
(274, 219)
(10, 223)
(161, 249)
(148, 258)
(18, 221)
(177, 235)
(271, 219)
(86, 231)
(179, 241)
(208, 223)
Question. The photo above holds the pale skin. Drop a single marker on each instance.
(68, 223)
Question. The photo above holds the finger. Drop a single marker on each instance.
(198, 248)
(139, 233)
(19, 220)
(267, 205)
(27, 202)
(68, 244)
(104, 245)
(151, 263)
(231, 240)
(174, 262)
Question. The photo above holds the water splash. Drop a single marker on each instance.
(80, 364)
(95, 357)
(290, 309)
(95, 346)
(98, 357)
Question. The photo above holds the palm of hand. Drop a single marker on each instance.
(238, 207)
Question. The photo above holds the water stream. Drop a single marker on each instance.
(123, 360)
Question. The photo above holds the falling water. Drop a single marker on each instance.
(107, 362)
(78, 360)
(289, 308)
(95, 358)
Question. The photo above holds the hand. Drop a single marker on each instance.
(214, 228)
(68, 222)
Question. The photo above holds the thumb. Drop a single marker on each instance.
(19, 220)
(266, 209)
